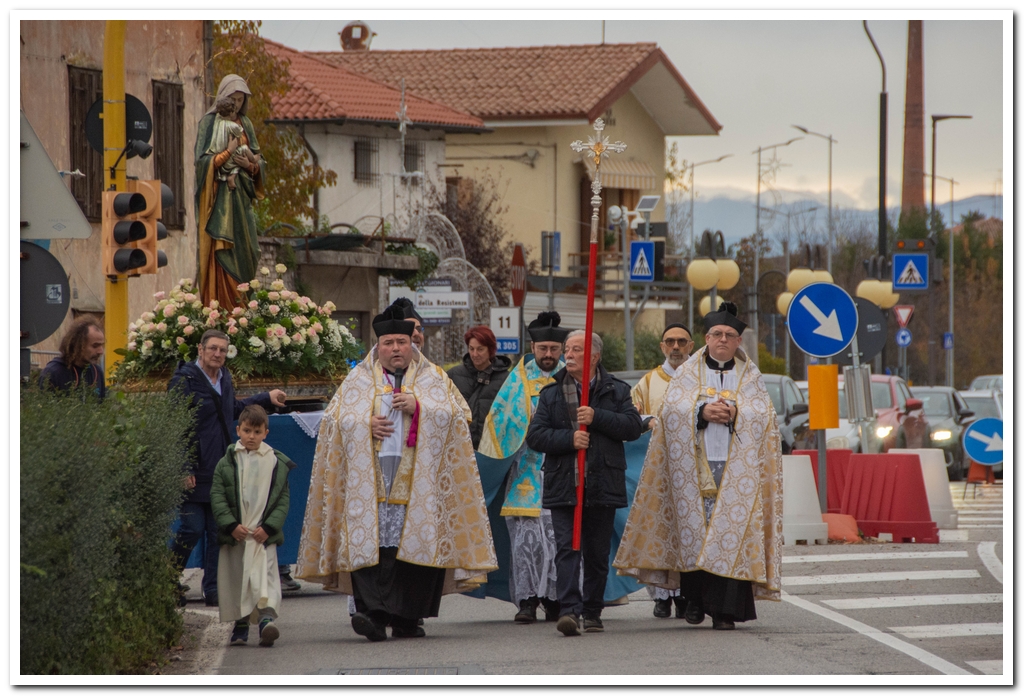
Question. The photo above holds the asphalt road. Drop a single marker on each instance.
(848, 612)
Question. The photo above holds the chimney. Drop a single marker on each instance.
(913, 123)
(356, 36)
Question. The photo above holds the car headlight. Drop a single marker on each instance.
(942, 435)
(883, 430)
(838, 443)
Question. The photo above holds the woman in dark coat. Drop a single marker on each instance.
(480, 376)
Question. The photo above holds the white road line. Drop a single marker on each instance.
(794, 580)
(914, 601)
(923, 656)
(880, 556)
(950, 630)
(987, 554)
(988, 666)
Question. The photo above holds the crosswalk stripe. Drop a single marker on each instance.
(980, 526)
(914, 601)
(987, 666)
(950, 630)
(987, 554)
(880, 556)
(968, 518)
(794, 580)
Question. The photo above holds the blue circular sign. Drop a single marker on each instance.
(822, 319)
(983, 441)
(903, 338)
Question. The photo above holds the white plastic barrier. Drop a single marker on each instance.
(801, 514)
(936, 486)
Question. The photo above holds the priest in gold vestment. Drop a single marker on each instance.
(707, 515)
(396, 513)
(648, 394)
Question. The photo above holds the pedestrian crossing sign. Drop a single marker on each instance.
(641, 262)
(909, 271)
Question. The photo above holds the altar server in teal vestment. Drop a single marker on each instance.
(531, 536)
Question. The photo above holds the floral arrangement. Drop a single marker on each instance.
(276, 333)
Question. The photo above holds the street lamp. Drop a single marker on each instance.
(883, 109)
(830, 141)
(757, 228)
(949, 358)
(690, 260)
(710, 272)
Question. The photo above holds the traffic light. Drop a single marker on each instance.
(156, 195)
(121, 231)
(915, 245)
(877, 266)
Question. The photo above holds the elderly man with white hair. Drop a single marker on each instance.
(611, 419)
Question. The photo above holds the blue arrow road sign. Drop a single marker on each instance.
(641, 262)
(822, 319)
(983, 441)
(903, 338)
(909, 271)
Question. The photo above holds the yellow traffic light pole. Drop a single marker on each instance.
(114, 139)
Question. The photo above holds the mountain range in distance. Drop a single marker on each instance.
(736, 219)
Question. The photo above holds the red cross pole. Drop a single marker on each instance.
(596, 147)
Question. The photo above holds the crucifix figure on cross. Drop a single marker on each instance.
(597, 146)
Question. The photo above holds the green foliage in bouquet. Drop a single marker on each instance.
(277, 333)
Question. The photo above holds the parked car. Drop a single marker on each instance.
(948, 415)
(848, 435)
(986, 382)
(791, 409)
(901, 418)
(987, 403)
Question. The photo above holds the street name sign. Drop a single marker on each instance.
(822, 319)
(903, 313)
(983, 441)
(426, 299)
(641, 262)
(431, 317)
(910, 271)
(903, 338)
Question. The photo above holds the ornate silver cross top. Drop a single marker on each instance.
(596, 147)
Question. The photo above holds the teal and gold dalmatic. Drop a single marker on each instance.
(505, 435)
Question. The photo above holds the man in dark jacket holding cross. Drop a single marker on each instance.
(611, 419)
(207, 383)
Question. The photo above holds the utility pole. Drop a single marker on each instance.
(115, 314)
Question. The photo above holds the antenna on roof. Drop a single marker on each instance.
(356, 36)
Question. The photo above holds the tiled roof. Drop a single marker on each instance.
(538, 82)
(324, 91)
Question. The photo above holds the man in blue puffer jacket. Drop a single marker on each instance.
(208, 384)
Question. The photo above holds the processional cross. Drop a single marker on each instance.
(597, 146)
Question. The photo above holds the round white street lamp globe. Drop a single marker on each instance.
(821, 276)
(705, 305)
(798, 278)
(728, 274)
(782, 302)
(702, 274)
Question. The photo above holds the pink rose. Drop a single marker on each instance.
(254, 304)
(131, 345)
(236, 311)
(160, 295)
(180, 340)
(169, 311)
(243, 321)
(273, 309)
(189, 330)
(214, 304)
(147, 344)
(244, 287)
(214, 315)
(189, 297)
(232, 330)
(161, 327)
(274, 295)
(280, 331)
(296, 337)
(182, 320)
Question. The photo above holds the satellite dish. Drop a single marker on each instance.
(138, 123)
(45, 294)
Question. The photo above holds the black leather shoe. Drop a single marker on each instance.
(593, 625)
(568, 625)
(662, 608)
(694, 613)
(552, 607)
(527, 611)
(365, 626)
(408, 632)
(722, 622)
(680, 606)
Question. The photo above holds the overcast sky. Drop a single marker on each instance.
(760, 77)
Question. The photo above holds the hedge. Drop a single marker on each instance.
(100, 484)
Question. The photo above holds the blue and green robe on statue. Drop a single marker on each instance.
(513, 488)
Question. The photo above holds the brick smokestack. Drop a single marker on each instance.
(913, 123)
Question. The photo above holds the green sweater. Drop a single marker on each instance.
(226, 503)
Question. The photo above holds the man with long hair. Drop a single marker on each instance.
(78, 365)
